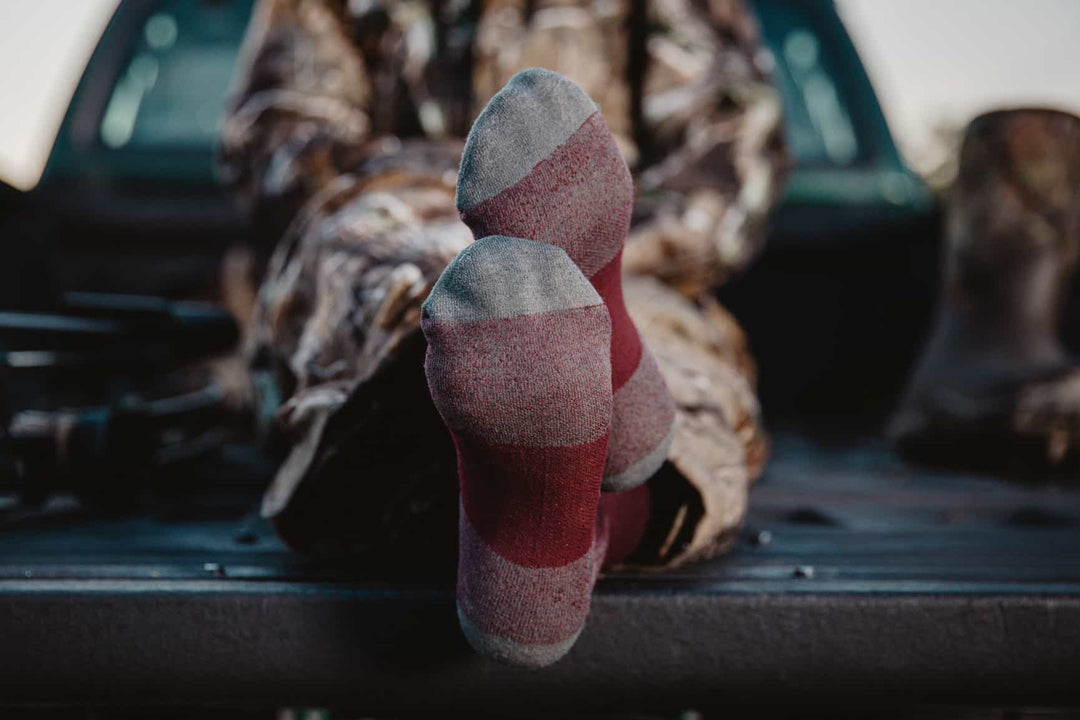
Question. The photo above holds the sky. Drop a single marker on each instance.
(44, 45)
(934, 63)
(941, 62)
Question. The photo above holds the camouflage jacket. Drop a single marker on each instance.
(342, 141)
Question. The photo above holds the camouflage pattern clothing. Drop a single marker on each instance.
(342, 142)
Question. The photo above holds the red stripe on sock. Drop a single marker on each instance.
(625, 341)
(517, 381)
(626, 516)
(533, 506)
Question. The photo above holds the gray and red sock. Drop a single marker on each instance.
(518, 367)
(539, 373)
(540, 163)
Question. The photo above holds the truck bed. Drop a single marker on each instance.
(857, 579)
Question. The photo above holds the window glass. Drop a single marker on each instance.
(817, 119)
(171, 94)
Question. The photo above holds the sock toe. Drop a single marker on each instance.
(540, 163)
(536, 112)
(501, 277)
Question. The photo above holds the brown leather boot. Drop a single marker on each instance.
(994, 387)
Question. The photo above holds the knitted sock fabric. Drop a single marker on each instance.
(518, 366)
(540, 163)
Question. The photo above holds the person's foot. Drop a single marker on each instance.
(994, 385)
(540, 163)
(518, 367)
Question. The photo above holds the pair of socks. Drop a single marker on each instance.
(538, 371)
